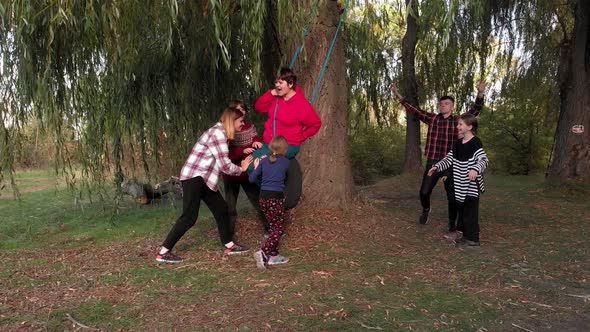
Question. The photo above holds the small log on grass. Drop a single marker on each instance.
(145, 193)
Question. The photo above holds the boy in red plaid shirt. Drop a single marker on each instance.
(442, 132)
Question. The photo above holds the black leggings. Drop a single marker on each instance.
(428, 184)
(193, 191)
(232, 190)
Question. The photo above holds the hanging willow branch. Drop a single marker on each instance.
(125, 86)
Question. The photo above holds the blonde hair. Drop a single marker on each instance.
(278, 147)
(228, 117)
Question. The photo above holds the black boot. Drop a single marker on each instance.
(424, 216)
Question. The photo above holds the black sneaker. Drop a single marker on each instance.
(463, 242)
(168, 257)
(424, 216)
(236, 249)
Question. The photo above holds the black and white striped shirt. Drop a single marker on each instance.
(462, 158)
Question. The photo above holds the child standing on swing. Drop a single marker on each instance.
(273, 170)
(468, 161)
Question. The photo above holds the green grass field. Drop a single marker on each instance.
(68, 262)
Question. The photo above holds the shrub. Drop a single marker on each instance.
(376, 152)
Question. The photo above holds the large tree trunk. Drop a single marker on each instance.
(571, 156)
(409, 88)
(327, 175)
(271, 51)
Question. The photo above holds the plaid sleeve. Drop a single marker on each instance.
(220, 151)
(476, 108)
(422, 115)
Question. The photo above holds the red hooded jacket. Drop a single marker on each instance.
(296, 119)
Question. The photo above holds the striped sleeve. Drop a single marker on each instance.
(445, 163)
(481, 161)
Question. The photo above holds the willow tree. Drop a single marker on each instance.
(444, 51)
(125, 87)
(135, 81)
(571, 157)
(547, 45)
(373, 33)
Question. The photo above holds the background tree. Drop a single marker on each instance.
(409, 88)
(571, 155)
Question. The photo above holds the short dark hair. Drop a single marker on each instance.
(470, 120)
(287, 75)
(237, 102)
(447, 98)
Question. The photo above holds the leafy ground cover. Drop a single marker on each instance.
(370, 266)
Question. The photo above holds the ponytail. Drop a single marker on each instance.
(278, 147)
(273, 158)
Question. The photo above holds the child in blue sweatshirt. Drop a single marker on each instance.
(273, 170)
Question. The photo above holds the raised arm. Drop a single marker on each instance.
(422, 115)
(478, 105)
(265, 102)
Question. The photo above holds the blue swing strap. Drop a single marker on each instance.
(305, 31)
(325, 64)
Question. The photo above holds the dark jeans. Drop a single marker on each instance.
(428, 184)
(232, 190)
(194, 190)
(469, 217)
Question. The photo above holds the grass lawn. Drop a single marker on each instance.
(68, 262)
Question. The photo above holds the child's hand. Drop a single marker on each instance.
(248, 150)
(472, 175)
(257, 145)
(444, 178)
(245, 163)
(256, 162)
(431, 171)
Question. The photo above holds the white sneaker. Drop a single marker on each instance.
(259, 258)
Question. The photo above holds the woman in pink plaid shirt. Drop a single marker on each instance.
(200, 175)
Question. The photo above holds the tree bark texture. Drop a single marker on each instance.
(324, 158)
(271, 51)
(409, 88)
(571, 153)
